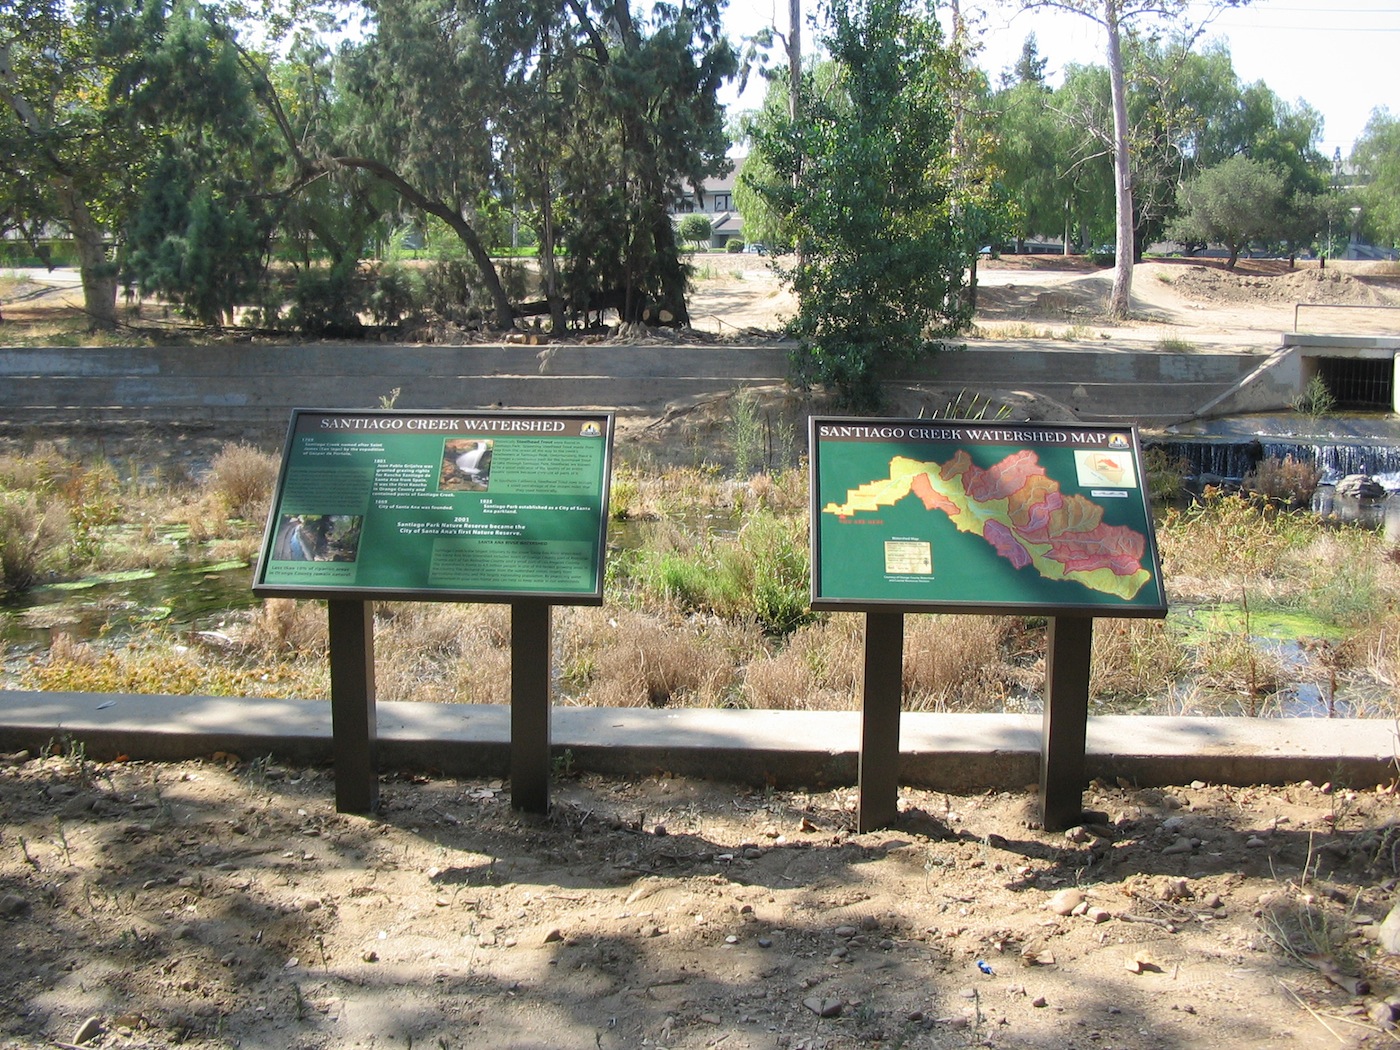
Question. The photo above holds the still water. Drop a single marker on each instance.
(193, 597)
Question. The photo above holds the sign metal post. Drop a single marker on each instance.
(529, 706)
(881, 691)
(353, 722)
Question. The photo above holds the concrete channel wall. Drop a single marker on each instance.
(254, 385)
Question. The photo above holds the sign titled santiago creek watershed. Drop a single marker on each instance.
(474, 505)
(966, 516)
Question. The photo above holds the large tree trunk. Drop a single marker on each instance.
(98, 273)
(1121, 298)
(549, 268)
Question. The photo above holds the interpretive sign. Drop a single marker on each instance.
(485, 506)
(962, 516)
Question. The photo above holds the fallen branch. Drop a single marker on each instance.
(1315, 1015)
(1148, 920)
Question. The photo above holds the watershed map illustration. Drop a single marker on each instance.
(905, 535)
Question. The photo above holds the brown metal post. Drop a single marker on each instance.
(529, 706)
(1069, 642)
(881, 688)
(353, 722)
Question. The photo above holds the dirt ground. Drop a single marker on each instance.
(1196, 300)
(226, 904)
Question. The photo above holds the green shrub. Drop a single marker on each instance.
(780, 567)
(394, 293)
(327, 302)
(1315, 400)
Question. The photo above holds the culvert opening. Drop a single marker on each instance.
(1359, 383)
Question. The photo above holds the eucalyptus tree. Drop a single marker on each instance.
(1117, 17)
(645, 123)
(586, 118)
(1376, 158)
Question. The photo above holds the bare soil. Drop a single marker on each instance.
(225, 903)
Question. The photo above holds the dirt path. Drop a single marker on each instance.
(225, 903)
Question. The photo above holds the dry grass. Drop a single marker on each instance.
(281, 627)
(1135, 660)
(955, 663)
(443, 653)
(243, 477)
(625, 658)
(711, 565)
(818, 669)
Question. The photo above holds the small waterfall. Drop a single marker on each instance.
(1232, 460)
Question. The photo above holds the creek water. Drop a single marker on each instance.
(193, 597)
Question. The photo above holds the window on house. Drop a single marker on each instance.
(721, 202)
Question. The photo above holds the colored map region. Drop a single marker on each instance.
(1019, 509)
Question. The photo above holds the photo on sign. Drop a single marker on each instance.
(318, 537)
(466, 465)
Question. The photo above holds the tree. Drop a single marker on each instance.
(1236, 201)
(696, 230)
(1116, 16)
(1028, 148)
(1376, 157)
(763, 223)
(1030, 65)
(651, 125)
(865, 179)
(583, 118)
(202, 224)
(71, 155)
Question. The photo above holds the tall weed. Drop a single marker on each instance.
(30, 538)
(243, 476)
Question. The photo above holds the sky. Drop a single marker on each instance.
(1341, 58)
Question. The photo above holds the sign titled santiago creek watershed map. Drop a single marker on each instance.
(956, 515)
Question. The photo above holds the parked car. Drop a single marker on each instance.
(755, 248)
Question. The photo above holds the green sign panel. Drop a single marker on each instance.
(962, 516)
(483, 506)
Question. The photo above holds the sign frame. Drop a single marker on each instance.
(398, 466)
(981, 446)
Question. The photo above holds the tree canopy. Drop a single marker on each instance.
(1377, 161)
(865, 180)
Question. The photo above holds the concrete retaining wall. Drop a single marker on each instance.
(253, 385)
(959, 752)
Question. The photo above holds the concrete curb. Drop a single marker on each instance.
(957, 752)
